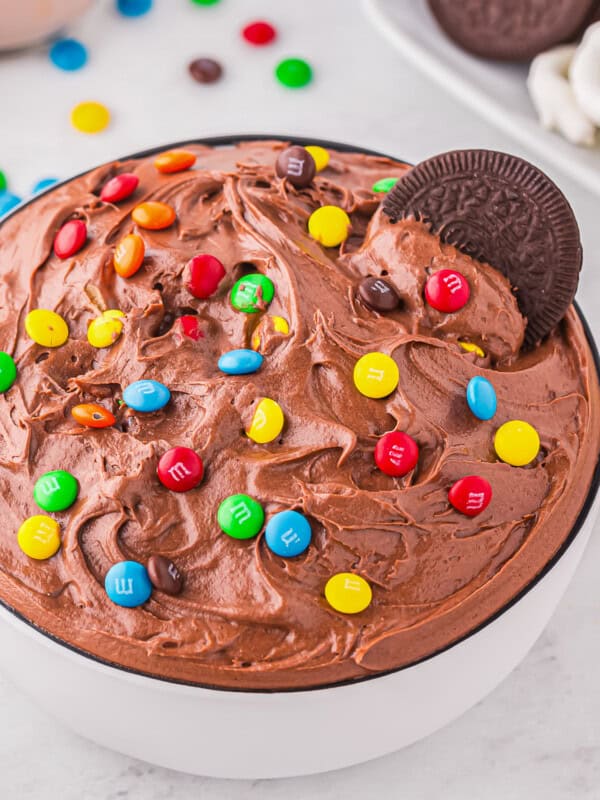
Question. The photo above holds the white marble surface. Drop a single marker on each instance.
(538, 735)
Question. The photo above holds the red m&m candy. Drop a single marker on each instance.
(190, 327)
(470, 495)
(259, 33)
(70, 238)
(396, 453)
(447, 290)
(206, 273)
(119, 188)
(180, 469)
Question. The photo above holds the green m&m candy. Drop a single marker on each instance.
(252, 293)
(384, 185)
(56, 490)
(240, 516)
(8, 372)
(3, 182)
(293, 73)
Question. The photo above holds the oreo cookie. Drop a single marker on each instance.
(511, 30)
(502, 210)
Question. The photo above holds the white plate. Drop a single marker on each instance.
(496, 91)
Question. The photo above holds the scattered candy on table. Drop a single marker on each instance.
(46, 327)
(70, 238)
(164, 575)
(240, 516)
(297, 165)
(259, 33)
(205, 70)
(43, 184)
(146, 396)
(376, 375)
(252, 293)
(129, 255)
(293, 73)
(180, 469)
(447, 291)
(278, 324)
(396, 453)
(267, 422)
(134, 8)
(127, 584)
(105, 329)
(320, 156)
(481, 397)
(517, 443)
(92, 415)
(153, 215)
(471, 347)
(3, 182)
(348, 593)
(56, 490)
(8, 371)
(39, 537)
(378, 295)
(288, 534)
(119, 188)
(384, 184)
(190, 327)
(240, 362)
(8, 201)
(329, 225)
(174, 161)
(205, 274)
(470, 495)
(90, 117)
(68, 54)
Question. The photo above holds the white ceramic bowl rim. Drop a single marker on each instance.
(229, 140)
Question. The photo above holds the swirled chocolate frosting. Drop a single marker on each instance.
(247, 618)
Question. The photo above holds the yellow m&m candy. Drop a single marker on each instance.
(267, 422)
(278, 324)
(90, 117)
(517, 443)
(471, 347)
(320, 156)
(329, 225)
(106, 329)
(46, 327)
(376, 375)
(39, 537)
(348, 593)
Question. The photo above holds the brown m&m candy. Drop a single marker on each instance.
(205, 70)
(164, 575)
(296, 165)
(378, 295)
(500, 209)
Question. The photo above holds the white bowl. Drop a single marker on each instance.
(237, 734)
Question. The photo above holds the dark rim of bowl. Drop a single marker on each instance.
(224, 141)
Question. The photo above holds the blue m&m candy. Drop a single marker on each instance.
(68, 54)
(127, 584)
(43, 184)
(288, 533)
(8, 201)
(134, 8)
(240, 362)
(146, 395)
(481, 397)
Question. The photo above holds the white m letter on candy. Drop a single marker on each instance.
(178, 471)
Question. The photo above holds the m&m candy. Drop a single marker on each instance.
(240, 516)
(3, 182)
(240, 362)
(293, 73)
(105, 329)
(8, 201)
(517, 443)
(70, 238)
(470, 495)
(384, 185)
(190, 327)
(68, 54)
(396, 453)
(378, 295)
(8, 371)
(180, 469)
(146, 395)
(348, 593)
(174, 161)
(205, 70)
(134, 8)
(447, 291)
(267, 422)
(329, 225)
(471, 347)
(43, 184)
(376, 375)
(319, 154)
(56, 490)
(205, 274)
(39, 537)
(92, 415)
(288, 534)
(46, 327)
(164, 575)
(275, 323)
(129, 255)
(127, 584)
(252, 293)
(153, 215)
(296, 165)
(90, 117)
(119, 188)
(481, 397)
(259, 33)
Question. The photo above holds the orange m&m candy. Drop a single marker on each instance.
(174, 161)
(153, 215)
(92, 415)
(128, 256)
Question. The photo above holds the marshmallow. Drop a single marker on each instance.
(584, 73)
